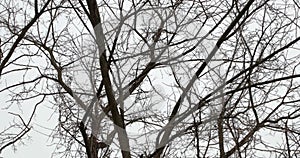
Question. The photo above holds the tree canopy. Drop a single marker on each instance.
(145, 78)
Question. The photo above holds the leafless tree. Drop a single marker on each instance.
(143, 78)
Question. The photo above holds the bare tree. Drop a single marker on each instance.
(143, 78)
